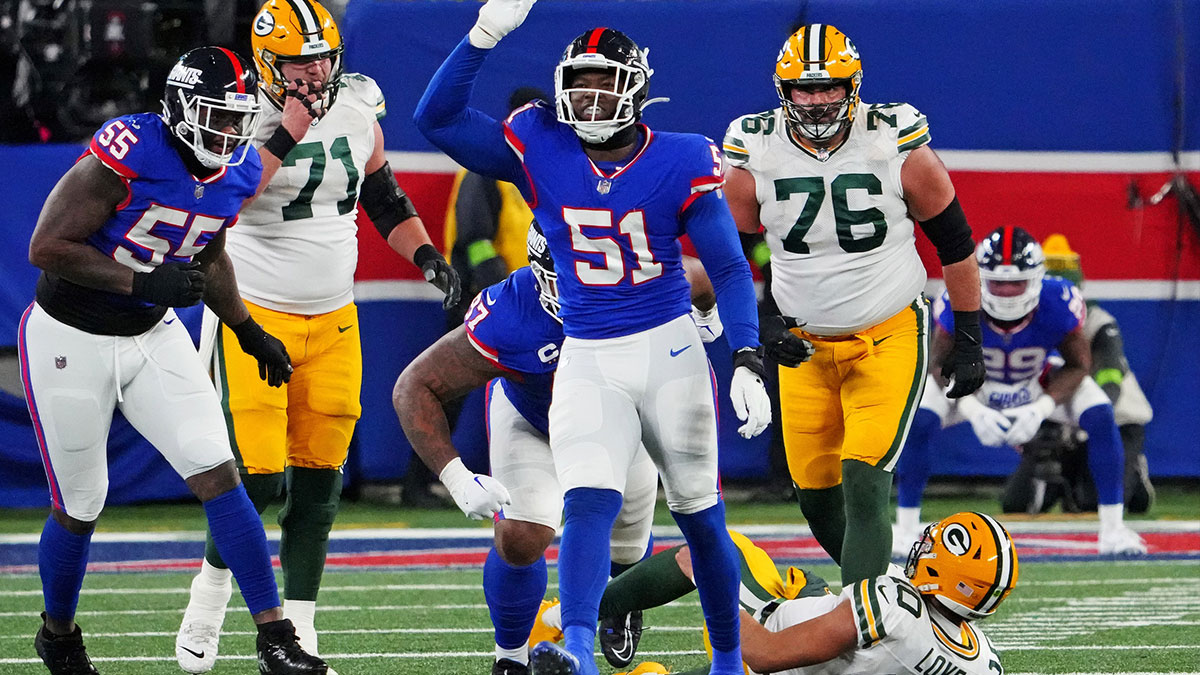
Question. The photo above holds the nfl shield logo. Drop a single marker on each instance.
(199, 190)
(603, 186)
(60, 362)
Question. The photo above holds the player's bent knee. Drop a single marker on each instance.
(692, 505)
(521, 543)
(81, 523)
(214, 482)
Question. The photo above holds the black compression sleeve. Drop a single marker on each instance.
(950, 234)
(385, 201)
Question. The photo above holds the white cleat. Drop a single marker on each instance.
(902, 541)
(200, 633)
(1121, 541)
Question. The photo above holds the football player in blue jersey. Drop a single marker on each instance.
(614, 198)
(135, 228)
(1028, 317)
(510, 342)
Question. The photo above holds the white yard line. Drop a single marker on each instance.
(182, 590)
(450, 655)
(667, 531)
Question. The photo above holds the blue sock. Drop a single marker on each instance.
(1106, 454)
(715, 568)
(62, 561)
(615, 568)
(238, 534)
(583, 560)
(513, 596)
(912, 471)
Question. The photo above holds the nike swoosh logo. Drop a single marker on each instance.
(488, 296)
(344, 329)
(677, 352)
(880, 340)
(198, 655)
(169, 322)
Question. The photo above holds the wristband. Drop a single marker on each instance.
(280, 143)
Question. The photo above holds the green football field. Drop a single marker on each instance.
(1091, 616)
(1064, 618)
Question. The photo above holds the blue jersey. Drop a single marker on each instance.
(614, 234)
(506, 323)
(1018, 354)
(169, 215)
(613, 230)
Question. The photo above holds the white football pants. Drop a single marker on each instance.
(73, 382)
(653, 388)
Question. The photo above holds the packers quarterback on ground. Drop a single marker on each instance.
(921, 620)
(838, 185)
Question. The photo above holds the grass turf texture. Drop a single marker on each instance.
(1175, 502)
(1096, 617)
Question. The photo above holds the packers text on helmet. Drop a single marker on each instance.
(295, 31)
(818, 55)
(966, 562)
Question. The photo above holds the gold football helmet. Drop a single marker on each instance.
(818, 54)
(1061, 260)
(295, 31)
(967, 562)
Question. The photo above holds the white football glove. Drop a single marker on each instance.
(990, 425)
(751, 403)
(477, 495)
(498, 18)
(1027, 419)
(708, 323)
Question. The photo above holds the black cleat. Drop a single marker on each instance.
(509, 667)
(63, 654)
(619, 638)
(279, 652)
(548, 658)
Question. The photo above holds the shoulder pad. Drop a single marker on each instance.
(746, 136)
(129, 144)
(899, 120)
(365, 92)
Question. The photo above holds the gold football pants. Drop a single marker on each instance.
(308, 421)
(855, 398)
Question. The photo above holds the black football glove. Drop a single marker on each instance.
(439, 273)
(274, 364)
(964, 365)
(781, 344)
(173, 284)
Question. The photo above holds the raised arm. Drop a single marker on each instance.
(470, 137)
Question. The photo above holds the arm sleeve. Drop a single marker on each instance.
(714, 234)
(468, 136)
(950, 234)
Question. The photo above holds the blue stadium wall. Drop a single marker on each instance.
(1050, 115)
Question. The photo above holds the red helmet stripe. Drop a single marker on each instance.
(1006, 245)
(237, 69)
(594, 40)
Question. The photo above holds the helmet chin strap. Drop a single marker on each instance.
(624, 137)
(194, 163)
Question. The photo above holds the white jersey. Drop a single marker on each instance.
(897, 633)
(843, 253)
(295, 248)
